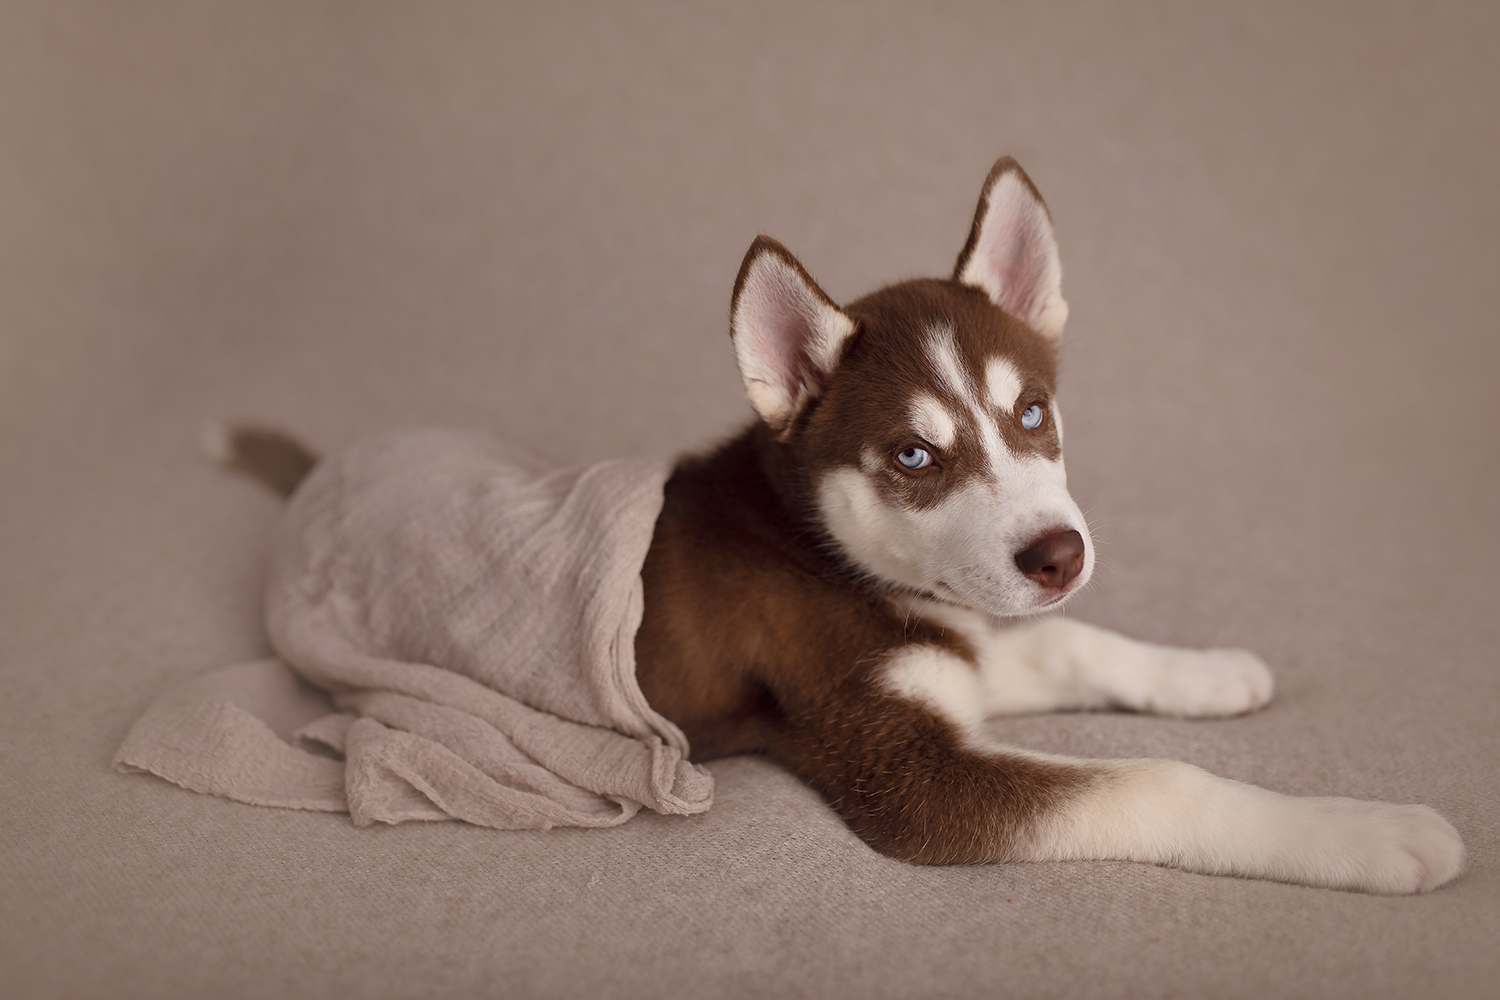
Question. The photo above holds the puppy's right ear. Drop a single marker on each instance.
(787, 333)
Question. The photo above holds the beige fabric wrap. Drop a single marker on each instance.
(474, 620)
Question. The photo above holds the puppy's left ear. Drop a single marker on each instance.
(1012, 255)
(788, 334)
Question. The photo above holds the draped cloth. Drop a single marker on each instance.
(454, 631)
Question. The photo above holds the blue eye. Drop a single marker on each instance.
(1031, 417)
(915, 458)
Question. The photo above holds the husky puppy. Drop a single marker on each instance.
(851, 587)
(853, 584)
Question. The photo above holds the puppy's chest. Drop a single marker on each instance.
(738, 635)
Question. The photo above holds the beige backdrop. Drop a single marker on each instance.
(1279, 237)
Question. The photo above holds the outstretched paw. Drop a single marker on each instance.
(1204, 683)
(1386, 849)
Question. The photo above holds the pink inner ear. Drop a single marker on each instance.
(1015, 258)
(787, 336)
(776, 326)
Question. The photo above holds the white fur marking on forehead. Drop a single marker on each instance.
(932, 421)
(1002, 383)
(942, 351)
(953, 376)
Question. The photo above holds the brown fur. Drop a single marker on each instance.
(757, 637)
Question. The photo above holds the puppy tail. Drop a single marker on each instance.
(278, 461)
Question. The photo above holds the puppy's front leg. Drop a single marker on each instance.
(1059, 663)
(1171, 813)
(915, 777)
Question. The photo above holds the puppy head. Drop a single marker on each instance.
(919, 421)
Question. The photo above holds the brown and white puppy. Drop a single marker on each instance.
(851, 587)
(833, 588)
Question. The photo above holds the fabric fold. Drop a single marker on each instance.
(473, 620)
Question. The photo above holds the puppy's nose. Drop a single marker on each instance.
(1053, 559)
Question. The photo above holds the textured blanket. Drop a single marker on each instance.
(472, 619)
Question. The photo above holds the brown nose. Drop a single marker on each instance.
(1053, 559)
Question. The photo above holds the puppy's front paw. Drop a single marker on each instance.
(1209, 682)
(1390, 849)
(1433, 844)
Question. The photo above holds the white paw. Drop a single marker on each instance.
(1389, 849)
(1209, 682)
